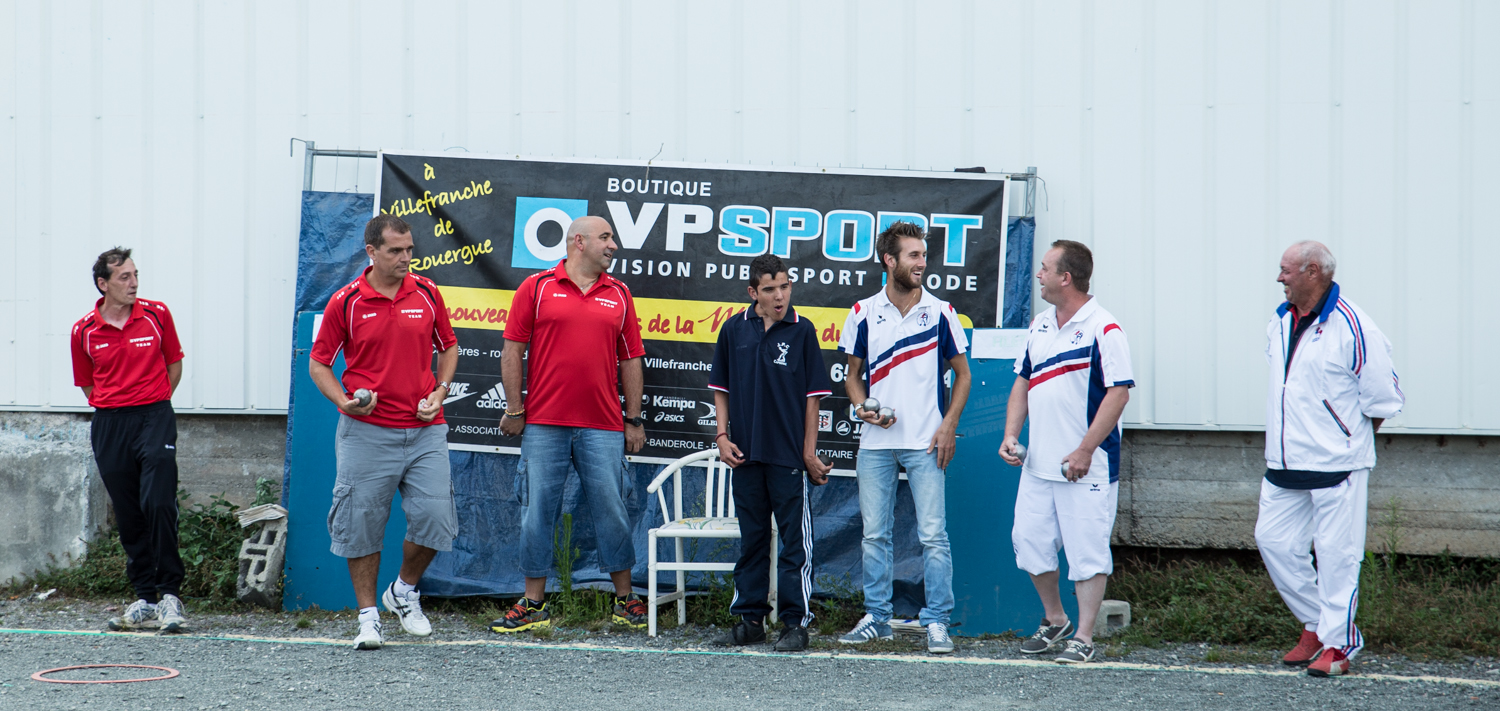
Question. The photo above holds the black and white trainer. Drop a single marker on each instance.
(1076, 652)
(1046, 637)
(408, 609)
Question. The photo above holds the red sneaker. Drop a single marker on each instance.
(1306, 650)
(1331, 662)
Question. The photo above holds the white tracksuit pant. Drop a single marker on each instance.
(1291, 522)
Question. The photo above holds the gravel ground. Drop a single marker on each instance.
(274, 663)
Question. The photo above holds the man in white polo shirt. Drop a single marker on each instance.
(907, 338)
(1073, 382)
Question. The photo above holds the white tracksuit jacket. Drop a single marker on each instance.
(1318, 412)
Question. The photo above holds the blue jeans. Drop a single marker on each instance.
(877, 472)
(547, 453)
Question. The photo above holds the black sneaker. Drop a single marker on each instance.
(745, 632)
(793, 639)
(1047, 636)
(630, 612)
(524, 615)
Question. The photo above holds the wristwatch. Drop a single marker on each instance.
(638, 421)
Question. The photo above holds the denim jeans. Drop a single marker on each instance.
(547, 452)
(877, 472)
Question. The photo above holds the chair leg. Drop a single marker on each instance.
(651, 584)
(681, 589)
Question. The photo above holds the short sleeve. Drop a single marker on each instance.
(951, 339)
(1023, 364)
(629, 344)
(443, 336)
(1114, 357)
(855, 337)
(83, 365)
(815, 372)
(332, 334)
(171, 346)
(522, 316)
(718, 374)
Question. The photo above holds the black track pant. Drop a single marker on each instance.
(136, 450)
(759, 491)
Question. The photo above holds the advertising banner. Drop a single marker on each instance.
(686, 236)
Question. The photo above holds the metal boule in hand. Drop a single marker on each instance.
(870, 405)
(886, 415)
(1018, 451)
(1065, 469)
(363, 396)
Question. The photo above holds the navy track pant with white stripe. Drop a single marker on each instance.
(760, 490)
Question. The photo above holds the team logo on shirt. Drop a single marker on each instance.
(783, 347)
(607, 302)
(413, 313)
(922, 319)
(1077, 336)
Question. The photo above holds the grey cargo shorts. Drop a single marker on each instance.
(373, 462)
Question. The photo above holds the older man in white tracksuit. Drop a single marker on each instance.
(1332, 384)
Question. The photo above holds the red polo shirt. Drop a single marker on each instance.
(577, 342)
(126, 366)
(387, 345)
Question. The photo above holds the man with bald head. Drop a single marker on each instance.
(1332, 384)
(579, 325)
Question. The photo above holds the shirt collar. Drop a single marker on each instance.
(561, 273)
(884, 299)
(1084, 311)
(368, 289)
(790, 317)
(136, 310)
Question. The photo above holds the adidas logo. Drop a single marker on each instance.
(492, 400)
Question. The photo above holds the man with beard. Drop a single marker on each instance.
(768, 377)
(907, 338)
(1073, 382)
(580, 327)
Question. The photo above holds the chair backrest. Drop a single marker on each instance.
(718, 486)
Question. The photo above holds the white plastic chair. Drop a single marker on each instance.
(718, 521)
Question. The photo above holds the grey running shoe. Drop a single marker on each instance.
(938, 641)
(793, 639)
(1076, 652)
(868, 629)
(169, 613)
(408, 609)
(139, 614)
(1047, 636)
(369, 636)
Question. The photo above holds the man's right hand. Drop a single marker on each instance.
(1008, 451)
(729, 453)
(512, 426)
(351, 407)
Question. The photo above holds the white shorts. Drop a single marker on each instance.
(1053, 515)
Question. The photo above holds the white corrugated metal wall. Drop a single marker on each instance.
(1187, 141)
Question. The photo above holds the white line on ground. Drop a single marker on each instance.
(583, 646)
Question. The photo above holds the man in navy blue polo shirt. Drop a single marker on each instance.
(768, 378)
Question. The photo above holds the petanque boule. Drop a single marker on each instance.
(886, 415)
(826, 460)
(1019, 452)
(870, 405)
(363, 396)
(1065, 469)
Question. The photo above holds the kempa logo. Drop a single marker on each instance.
(458, 391)
(494, 399)
(372, 313)
(527, 250)
(675, 403)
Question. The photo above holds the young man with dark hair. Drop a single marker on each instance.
(388, 323)
(906, 338)
(1073, 383)
(576, 329)
(128, 361)
(768, 377)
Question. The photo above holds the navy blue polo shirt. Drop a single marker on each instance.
(769, 374)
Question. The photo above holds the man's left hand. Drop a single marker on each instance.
(429, 407)
(1078, 464)
(635, 438)
(945, 442)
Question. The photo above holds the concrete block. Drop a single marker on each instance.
(262, 557)
(52, 502)
(1114, 615)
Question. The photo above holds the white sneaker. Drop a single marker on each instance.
(938, 641)
(408, 608)
(139, 614)
(369, 635)
(169, 613)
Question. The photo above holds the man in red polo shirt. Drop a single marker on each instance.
(584, 339)
(128, 361)
(388, 323)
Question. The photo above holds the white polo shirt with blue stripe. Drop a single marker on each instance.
(1069, 368)
(904, 361)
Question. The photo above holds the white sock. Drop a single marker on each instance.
(369, 614)
(403, 588)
